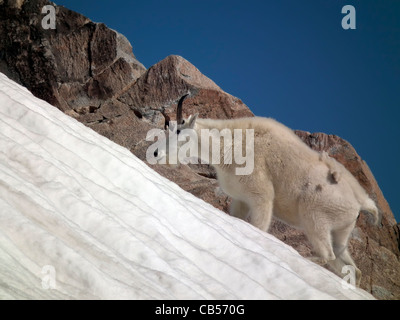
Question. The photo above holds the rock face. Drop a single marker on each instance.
(76, 66)
(89, 71)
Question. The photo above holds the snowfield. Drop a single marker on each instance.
(83, 218)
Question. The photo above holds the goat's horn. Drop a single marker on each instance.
(179, 118)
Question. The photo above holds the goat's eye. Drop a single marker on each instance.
(156, 153)
(178, 131)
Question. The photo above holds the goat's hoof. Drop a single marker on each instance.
(318, 260)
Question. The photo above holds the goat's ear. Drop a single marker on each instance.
(192, 120)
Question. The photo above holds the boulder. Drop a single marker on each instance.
(161, 86)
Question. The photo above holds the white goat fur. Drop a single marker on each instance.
(305, 189)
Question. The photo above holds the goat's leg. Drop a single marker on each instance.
(239, 209)
(343, 258)
(261, 213)
(261, 205)
(321, 242)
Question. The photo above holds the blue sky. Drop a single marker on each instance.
(289, 59)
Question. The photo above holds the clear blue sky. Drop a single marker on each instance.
(287, 59)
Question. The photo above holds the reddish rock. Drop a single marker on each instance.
(163, 84)
(78, 64)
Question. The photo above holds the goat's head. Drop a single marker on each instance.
(176, 135)
(180, 121)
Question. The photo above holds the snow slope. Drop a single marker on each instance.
(112, 228)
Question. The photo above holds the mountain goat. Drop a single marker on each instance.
(299, 186)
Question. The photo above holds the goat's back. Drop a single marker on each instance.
(287, 157)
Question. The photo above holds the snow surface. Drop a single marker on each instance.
(112, 228)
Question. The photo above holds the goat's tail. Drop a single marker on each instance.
(370, 207)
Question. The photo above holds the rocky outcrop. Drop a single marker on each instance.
(168, 80)
(89, 71)
(75, 67)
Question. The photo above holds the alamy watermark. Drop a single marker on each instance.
(48, 277)
(349, 20)
(349, 280)
(186, 146)
(49, 20)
